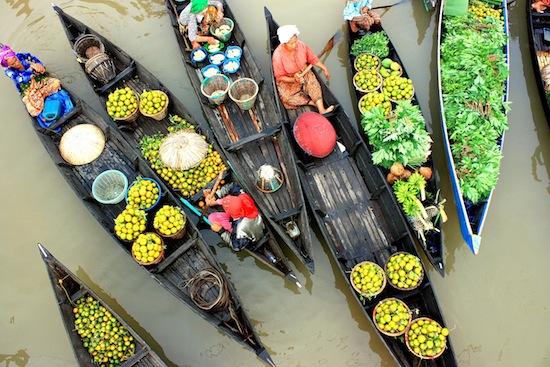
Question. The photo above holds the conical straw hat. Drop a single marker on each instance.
(82, 144)
(183, 150)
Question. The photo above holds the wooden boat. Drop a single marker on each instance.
(431, 240)
(252, 138)
(358, 216)
(68, 289)
(538, 25)
(184, 258)
(471, 215)
(130, 73)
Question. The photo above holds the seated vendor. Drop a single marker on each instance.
(197, 17)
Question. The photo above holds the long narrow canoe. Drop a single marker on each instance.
(358, 216)
(184, 258)
(538, 25)
(68, 290)
(462, 140)
(431, 240)
(130, 73)
(253, 138)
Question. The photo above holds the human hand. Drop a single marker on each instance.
(327, 74)
(40, 69)
(216, 227)
(220, 14)
(212, 41)
(299, 78)
(539, 6)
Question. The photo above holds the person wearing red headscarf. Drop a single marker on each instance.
(240, 222)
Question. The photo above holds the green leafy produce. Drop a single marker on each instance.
(473, 78)
(374, 43)
(399, 137)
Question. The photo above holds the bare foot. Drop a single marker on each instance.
(326, 110)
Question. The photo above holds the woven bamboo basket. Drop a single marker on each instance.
(360, 291)
(85, 41)
(419, 278)
(243, 92)
(159, 115)
(366, 90)
(158, 259)
(131, 117)
(215, 88)
(408, 341)
(398, 333)
(101, 67)
(359, 68)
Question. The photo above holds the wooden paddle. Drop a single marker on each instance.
(214, 189)
(330, 44)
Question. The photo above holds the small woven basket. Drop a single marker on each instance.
(176, 236)
(243, 92)
(359, 68)
(398, 333)
(86, 41)
(101, 67)
(410, 348)
(159, 115)
(215, 88)
(361, 292)
(158, 259)
(419, 279)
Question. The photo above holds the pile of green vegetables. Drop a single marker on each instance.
(474, 72)
(374, 43)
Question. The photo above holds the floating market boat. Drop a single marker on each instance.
(251, 135)
(83, 146)
(473, 119)
(359, 217)
(144, 131)
(428, 227)
(538, 25)
(71, 294)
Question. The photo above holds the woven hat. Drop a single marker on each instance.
(82, 144)
(183, 150)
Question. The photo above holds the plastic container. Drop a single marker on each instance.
(215, 88)
(51, 110)
(243, 92)
(233, 52)
(110, 187)
(158, 198)
(217, 58)
(211, 49)
(231, 66)
(210, 70)
(197, 56)
(222, 36)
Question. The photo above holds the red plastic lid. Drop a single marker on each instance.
(314, 134)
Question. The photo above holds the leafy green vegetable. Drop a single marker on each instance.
(474, 73)
(398, 137)
(374, 43)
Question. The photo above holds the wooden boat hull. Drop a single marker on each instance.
(433, 243)
(132, 74)
(257, 139)
(471, 217)
(358, 215)
(68, 288)
(184, 258)
(536, 25)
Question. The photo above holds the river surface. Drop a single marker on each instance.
(496, 303)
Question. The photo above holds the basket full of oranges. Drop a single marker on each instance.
(154, 104)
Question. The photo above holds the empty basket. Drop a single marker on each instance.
(84, 42)
(243, 92)
(110, 187)
(215, 88)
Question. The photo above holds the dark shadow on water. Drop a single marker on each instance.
(20, 359)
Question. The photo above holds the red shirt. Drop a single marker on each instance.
(288, 65)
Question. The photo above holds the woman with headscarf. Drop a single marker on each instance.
(240, 222)
(197, 17)
(29, 76)
(290, 59)
(359, 15)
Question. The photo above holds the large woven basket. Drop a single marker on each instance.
(158, 259)
(176, 236)
(419, 279)
(408, 341)
(243, 92)
(159, 115)
(360, 291)
(131, 117)
(101, 67)
(215, 88)
(84, 42)
(398, 333)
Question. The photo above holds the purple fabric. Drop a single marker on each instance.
(5, 53)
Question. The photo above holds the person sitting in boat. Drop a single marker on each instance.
(197, 17)
(240, 222)
(290, 60)
(29, 76)
(360, 16)
(540, 5)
